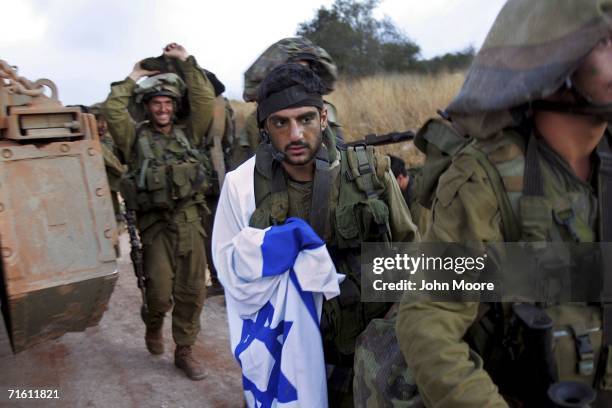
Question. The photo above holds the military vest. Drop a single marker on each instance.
(537, 203)
(166, 174)
(352, 213)
(541, 202)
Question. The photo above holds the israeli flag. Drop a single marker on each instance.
(275, 280)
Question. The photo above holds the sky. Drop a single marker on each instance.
(84, 45)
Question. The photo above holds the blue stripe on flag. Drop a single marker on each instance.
(282, 244)
(307, 298)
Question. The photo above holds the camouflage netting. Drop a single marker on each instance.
(531, 49)
(289, 50)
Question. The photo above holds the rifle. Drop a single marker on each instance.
(137, 261)
(378, 140)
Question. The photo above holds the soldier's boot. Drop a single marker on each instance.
(216, 289)
(184, 359)
(154, 340)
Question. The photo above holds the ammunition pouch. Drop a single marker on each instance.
(361, 215)
(165, 187)
(346, 316)
(165, 179)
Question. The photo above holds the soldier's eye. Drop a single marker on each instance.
(604, 42)
(277, 122)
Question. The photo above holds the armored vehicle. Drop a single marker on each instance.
(57, 227)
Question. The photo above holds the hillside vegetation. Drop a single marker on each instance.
(386, 103)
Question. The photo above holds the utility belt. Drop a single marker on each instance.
(164, 187)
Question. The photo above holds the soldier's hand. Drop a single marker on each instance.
(174, 50)
(139, 72)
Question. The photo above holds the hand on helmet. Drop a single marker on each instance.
(138, 72)
(174, 50)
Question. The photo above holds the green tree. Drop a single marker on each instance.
(360, 44)
(452, 61)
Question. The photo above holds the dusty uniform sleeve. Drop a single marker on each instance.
(431, 333)
(403, 229)
(201, 95)
(120, 124)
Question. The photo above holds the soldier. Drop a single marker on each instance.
(292, 49)
(168, 176)
(113, 159)
(536, 102)
(407, 181)
(299, 172)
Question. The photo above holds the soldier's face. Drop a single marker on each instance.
(102, 126)
(297, 133)
(161, 110)
(593, 78)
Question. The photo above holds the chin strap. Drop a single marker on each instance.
(604, 112)
(581, 105)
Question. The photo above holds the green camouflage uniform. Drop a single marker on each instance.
(115, 169)
(173, 238)
(434, 336)
(353, 217)
(113, 162)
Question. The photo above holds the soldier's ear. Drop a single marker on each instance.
(323, 115)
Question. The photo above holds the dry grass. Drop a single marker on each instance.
(386, 103)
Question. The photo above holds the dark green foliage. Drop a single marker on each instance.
(362, 45)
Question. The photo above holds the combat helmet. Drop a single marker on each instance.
(168, 84)
(292, 49)
(160, 85)
(531, 51)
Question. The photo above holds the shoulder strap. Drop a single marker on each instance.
(144, 143)
(319, 208)
(510, 225)
(440, 140)
(605, 202)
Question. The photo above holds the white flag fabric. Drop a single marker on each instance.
(275, 280)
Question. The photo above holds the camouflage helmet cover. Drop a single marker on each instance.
(531, 50)
(291, 49)
(168, 84)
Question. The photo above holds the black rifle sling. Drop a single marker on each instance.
(605, 204)
(534, 182)
(319, 208)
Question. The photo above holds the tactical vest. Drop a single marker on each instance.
(346, 210)
(166, 173)
(534, 207)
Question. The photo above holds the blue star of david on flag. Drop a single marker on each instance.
(278, 386)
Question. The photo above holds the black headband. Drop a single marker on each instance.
(293, 97)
